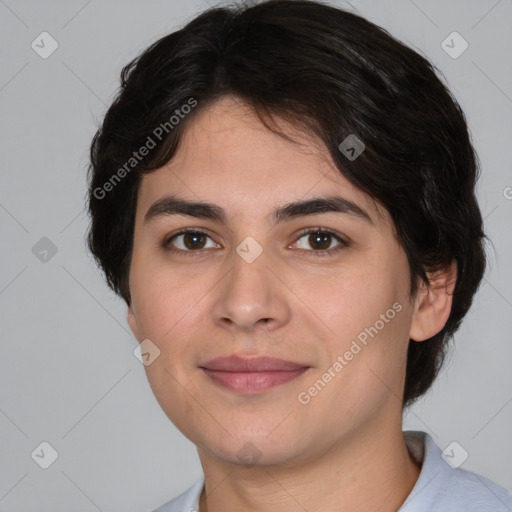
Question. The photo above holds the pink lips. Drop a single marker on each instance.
(251, 375)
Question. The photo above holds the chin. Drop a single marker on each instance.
(252, 450)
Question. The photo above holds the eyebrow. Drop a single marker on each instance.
(173, 205)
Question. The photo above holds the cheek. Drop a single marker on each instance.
(161, 298)
(368, 316)
(166, 305)
(353, 299)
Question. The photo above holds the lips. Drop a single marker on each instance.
(258, 364)
(251, 375)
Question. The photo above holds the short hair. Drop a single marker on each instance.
(331, 73)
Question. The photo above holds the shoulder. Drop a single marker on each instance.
(444, 488)
(187, 501)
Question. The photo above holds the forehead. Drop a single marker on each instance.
(227, 156)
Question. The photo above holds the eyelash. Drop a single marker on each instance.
(317, 230)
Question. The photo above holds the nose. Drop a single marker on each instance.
(252, 295)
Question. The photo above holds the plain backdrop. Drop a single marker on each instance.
(68, 375)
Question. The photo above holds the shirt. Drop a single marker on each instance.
(439, 488)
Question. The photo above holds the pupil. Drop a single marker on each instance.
(319, 236)
(195, 237)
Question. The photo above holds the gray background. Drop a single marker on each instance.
(68, 375)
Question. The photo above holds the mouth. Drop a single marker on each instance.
(251, 375)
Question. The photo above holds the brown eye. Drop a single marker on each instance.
(188, 241)
(319, 241)
(194, 240)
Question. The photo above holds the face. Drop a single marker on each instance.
(252, 285)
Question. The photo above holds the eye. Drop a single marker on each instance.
(193, 240)
(320, 240)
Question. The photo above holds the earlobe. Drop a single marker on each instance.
(433, 303)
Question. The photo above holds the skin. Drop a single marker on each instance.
(343, 451)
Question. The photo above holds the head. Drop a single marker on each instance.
(249, 109)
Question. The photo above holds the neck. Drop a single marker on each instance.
(363, 474)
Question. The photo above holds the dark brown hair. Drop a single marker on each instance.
(331, 73)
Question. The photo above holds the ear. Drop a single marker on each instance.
(433, 303)
(132, 322)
